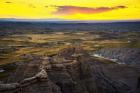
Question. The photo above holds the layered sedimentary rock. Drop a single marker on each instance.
(121, 55)
(72, 70)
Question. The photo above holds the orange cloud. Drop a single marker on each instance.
(68, 10)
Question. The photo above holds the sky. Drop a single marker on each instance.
(71, 9)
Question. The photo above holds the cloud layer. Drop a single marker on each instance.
(68, 10)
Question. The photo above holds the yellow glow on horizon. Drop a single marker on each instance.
(43, 9)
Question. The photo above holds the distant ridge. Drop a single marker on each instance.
(53, 20)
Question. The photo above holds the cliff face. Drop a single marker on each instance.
(73, 71)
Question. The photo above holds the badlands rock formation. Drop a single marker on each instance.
(121, 55)
(72, 70)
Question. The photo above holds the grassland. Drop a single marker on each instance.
(12, 47)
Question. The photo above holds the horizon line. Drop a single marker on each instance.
(64, 20)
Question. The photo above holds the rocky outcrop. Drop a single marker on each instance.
(121, 55)
(72, 70)
(27, 83)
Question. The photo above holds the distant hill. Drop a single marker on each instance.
(20, 27)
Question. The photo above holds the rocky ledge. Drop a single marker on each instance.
(72, 70)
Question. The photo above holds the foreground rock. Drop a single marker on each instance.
(72, 70)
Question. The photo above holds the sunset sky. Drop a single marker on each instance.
(71, 9)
